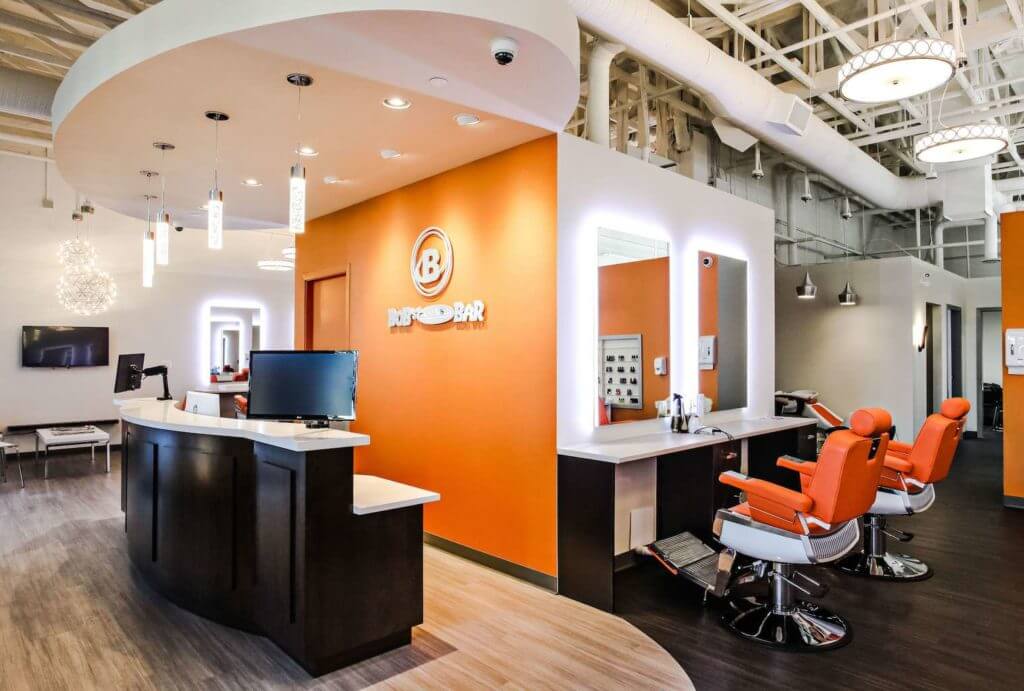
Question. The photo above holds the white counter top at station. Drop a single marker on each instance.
(155, 414)
(231, 387)
(650, 445)
(371, 494)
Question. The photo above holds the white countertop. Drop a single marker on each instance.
(232, 387)
(155, 414)
(650, 445)
(371, 494)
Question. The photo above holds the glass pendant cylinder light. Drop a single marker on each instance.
(297, 177)
(962, 143)
(148, 249)
(163, 223)
(897, 70)
(215, 207)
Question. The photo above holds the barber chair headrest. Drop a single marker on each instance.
(955, 408)
(870, 422)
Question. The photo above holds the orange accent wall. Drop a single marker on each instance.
(466, 410)
(708, 320)
(1013, 386)
(633, 299)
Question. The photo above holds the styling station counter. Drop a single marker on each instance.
(262, 526)
(606, 490)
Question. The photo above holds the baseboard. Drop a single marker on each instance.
(1013, 502)
(497, 563)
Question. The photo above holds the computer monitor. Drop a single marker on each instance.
(302, 384)
(129, 372)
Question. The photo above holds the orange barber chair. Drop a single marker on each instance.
(780, 528)
(241, 406)
(907, 487)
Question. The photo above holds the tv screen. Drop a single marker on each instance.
(65, 346)
(303, 385)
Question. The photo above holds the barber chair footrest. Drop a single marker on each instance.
(801, 627)
(889, 566)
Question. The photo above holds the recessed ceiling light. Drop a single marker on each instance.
(334, 180)
(467, 119)
(252, 182)
(396, 103)
(438, 82)
(307, 151)
(388, 154)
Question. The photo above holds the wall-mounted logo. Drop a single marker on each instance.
(431, 266)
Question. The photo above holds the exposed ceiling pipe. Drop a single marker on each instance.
(735, 91)
(599, 84)
(991, 239)
(27, 95)
(939, 234)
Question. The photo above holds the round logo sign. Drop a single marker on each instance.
(431, 268)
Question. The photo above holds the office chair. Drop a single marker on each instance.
(779, 528)
(907, 487)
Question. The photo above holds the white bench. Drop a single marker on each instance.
(51, 437)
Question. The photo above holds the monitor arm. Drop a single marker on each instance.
(153, 371)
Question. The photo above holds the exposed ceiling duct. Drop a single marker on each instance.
(737, 92)
(25, 94)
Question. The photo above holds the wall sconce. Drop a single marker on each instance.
(921, 341)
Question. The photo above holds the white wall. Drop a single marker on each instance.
(165, 322)
(992, 348)
(867, 355)
(600, 188)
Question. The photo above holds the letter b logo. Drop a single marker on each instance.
(431, 268)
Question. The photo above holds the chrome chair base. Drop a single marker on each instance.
(801, 627)
(888, 566)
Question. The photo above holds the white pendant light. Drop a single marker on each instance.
(897, 70)
(962, 143)
(297, 181)
(275, 265)
(806, 195)
(215, 207)
(163, 223)
(148, 248)
(807, 290)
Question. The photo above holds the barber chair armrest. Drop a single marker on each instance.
(898, 464)
(802, 467)
(762, 489)
(899, 448)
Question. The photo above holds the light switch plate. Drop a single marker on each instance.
(1014, 353)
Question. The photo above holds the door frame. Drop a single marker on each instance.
(979, 321)
(954, 336)
(308, 279)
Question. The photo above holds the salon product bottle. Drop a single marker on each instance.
(698, 409)
(677, 414)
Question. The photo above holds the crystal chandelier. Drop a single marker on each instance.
(82, 288)
(85, 290)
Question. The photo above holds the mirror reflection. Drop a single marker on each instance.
(722, 359)
(234, 333)
(633, 326)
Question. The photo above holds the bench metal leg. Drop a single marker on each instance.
(3, 465)
(108, 456)
(92, 453)
(21, 474)
(46, 463)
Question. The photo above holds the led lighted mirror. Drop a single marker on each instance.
(234, 333)
(633, 326)
(722, 351)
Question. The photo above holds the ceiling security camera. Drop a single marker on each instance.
(179, 228)
(708, 262)
(504, 50)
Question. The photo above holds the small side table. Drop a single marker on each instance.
(4, 448)
(48, 438)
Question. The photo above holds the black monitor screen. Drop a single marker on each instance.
(129, 372)
(303, 385)
(65, 346)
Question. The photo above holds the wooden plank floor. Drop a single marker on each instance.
(961, 629)
(73, 616)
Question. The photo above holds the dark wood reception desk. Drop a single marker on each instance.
(262, 526)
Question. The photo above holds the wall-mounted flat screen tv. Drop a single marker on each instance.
(65, 346)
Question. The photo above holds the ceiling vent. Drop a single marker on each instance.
(790, 113)
(732, 136)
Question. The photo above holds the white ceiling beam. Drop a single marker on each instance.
(949, 120)
(1015, 13)
(717, 9)
(23, 24)
(34, 55)
(73, 10)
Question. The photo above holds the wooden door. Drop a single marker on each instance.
(327, 316)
